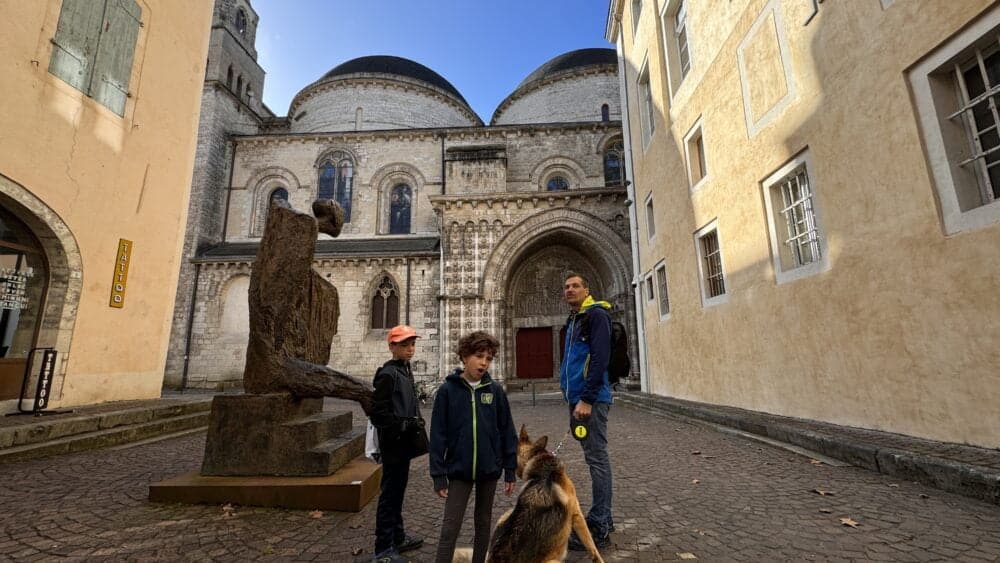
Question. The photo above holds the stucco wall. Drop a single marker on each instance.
(109, 177)
(900, 332)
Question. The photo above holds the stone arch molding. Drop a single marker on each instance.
(65, 271)
(605, 141)
(574, 223)
(388, 177)
(567, 166)
(261, 184)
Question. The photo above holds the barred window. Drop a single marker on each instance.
(795, 219)
(978, 81)
(661, 288)
(713, 278)
(650, 290)
(385, 305)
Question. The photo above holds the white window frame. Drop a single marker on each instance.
(650, 213)
(664, 291)
(696, 136)
(707, 301)
(947, 141)
(813, 219)
(676, 75)
(647, 115)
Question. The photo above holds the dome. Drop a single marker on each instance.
(537, 99)
(376, 93)
(386, 64)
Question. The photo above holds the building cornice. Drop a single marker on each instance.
(529, 200)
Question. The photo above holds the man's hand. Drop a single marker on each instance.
(581, 411)
(443, 493)
(508, 488)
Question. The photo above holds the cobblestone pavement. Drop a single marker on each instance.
(682, 490)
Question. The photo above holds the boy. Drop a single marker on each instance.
(472, 441)
(396, 416)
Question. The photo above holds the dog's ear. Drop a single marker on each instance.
(541, 443)
(524, 434)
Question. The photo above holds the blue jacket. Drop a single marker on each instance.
(583, 374)
(472, 433)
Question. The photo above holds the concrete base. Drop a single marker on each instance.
(349, 489)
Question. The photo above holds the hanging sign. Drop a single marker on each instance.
(124, 257)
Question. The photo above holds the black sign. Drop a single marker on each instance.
(45, 373)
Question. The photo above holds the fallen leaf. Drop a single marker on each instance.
(357, 551)
(696, 452)
(893, 485)
(825, 510)
(848, 522)
(316, 514)
(823, 493)
(686, 555)
(695, 481)
(815, 462)
(708, 457)
(922, 495)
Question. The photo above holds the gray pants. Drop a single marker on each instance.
(454, 512)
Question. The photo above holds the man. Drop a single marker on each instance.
(583, 377)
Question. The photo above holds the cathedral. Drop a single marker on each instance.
(452, 224)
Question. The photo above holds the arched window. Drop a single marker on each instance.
(241, 22)
(239, 87)
(385, 305)
(280, 193)
(614, 164)
(400, 209)
(229, 78)
(557, 184)
(605, 113)
(336, 181)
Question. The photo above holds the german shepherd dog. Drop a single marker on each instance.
(537, 528)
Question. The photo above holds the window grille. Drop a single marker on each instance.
(661, 285)
(801, 235)
(978, 81)
(711, 255)
(680, 32)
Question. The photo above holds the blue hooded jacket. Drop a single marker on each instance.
(472, 433)
(583, 374)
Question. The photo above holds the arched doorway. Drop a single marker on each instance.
(24, 280)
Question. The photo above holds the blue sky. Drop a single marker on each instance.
(483, 47)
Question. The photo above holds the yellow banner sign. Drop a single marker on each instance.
(122, 261)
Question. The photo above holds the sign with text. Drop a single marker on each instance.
(13, 288)
(122, 261)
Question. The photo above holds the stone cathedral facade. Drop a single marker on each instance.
(454, 224)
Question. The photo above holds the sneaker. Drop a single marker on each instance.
(408, 543)
(390, 556)
(600, 541)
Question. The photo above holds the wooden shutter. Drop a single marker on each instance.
(113, 65)
(75, 43)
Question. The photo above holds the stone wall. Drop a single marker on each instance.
(572, 99)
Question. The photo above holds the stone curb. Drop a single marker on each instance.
(961, 478)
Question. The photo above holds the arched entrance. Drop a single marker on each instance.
(526, 272)
(23, 286)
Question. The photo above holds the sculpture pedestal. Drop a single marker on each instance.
(349, 489)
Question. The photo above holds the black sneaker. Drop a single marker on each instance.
(408, 543)
(600, 541)
(390, 556)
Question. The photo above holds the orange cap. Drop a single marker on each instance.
(400, 333)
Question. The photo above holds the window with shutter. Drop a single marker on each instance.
(94, 48)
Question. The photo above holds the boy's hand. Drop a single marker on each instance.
(508, 488)
(443, 493)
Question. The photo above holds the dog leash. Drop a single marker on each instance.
(556, 451)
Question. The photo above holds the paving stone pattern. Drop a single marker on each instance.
(680, 488)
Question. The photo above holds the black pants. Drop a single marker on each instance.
(454, 512)
(389, 516)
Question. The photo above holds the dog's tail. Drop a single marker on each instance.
(462, 555)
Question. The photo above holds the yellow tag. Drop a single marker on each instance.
(579, 432)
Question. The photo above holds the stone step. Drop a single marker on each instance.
(41, 429)
(337, 452)
(118, 434)
(318, 428)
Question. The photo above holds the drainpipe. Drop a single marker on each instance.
(640, 324)
(190, 323)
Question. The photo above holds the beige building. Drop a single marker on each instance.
(816, 206)
(97, 140)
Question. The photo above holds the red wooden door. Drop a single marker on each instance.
(534, 353)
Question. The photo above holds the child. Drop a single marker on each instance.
(472, 440)
(396, 416)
